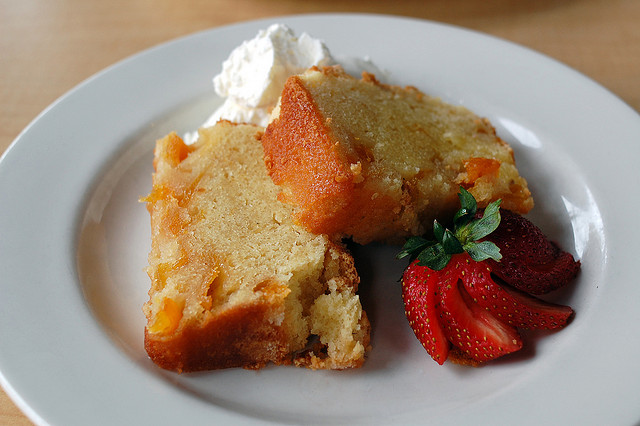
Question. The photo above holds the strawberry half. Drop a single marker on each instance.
(511, 306)
(468, 326)
(530, 262)
(420, 296)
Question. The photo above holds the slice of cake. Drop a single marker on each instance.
(235, 283)
(377, 162)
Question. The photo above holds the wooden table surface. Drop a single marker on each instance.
(49, 46)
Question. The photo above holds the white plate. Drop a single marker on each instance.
(74, 241)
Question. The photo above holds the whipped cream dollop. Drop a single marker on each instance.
(254, 74)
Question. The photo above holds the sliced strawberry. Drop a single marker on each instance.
(419, 293)
(511, 306)
(468, 326)
(530, 262)
(452, 300)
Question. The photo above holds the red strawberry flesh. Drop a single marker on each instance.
(512, 306)
(419, 293)
(468, 326)
(530, 262)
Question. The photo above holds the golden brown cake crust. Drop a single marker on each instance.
(239, 337)
(322, 148)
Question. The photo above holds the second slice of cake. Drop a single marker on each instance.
(378, 163)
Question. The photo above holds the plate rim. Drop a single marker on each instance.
(11, 152)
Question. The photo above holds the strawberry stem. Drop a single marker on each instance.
(436, 254)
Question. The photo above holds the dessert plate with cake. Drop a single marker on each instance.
(97, 306)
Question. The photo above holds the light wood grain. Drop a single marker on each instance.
(49, 46)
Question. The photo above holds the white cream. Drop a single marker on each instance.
(253, 76)
(255, 72)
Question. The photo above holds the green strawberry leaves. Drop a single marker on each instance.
(435, 256)
(483, 250)
(468, 208)
(467, 230)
